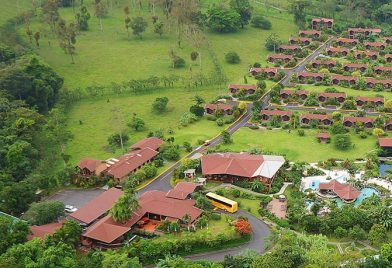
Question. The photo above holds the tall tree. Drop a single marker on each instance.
(243, 8)
(67, 36)
(100, 11)
(298, 7)
(182, 12)
(125, 206)
(82, 18)
(138, 25)
(51, 13)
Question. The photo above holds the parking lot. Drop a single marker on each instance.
(77, 197)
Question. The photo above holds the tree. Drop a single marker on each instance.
(223, 20)
(100, 11)
(182, 12)
(343, 142)
(244, 9)
(199, 100)
(243, 227)
(315, 208)
(177, 61)
(386, 252)
(113, 259)
(51, 13)
(82, 18)
(67, 36)
(68, 234)
(12, 232)
(29, 33)
(16, 198)
(160, 105)
(138, 25)
(257, 186)
(232, 57)
(377, 234)
(137, 123)
(188, 147)
(118, 140)
(298, 9)
(171, 153)
(44, 212)
(37, 36)
(383, 215)
(272, 42)
(158, 28)
(357, 233)
(197, 110)
(124, 208)
(259, 21)
(378, 132)
(226, 137)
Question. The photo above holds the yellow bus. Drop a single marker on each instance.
(222, 202)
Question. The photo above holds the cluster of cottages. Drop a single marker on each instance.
(101, 230)
(307, 119)
(118, 169)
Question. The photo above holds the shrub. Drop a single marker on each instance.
(232, 57)
(301, 132)
(236, 193)
(259, 21)
(343, 142)
(243, 227)
(178, 62)
(340, 232)
(220, 121)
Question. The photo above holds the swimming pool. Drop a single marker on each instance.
(314, 185)
(365, 193)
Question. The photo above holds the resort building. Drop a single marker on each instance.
(382, 69)
(212, 108)
(388, 40)
(41, 231)
(337, 79)
(372, 82)
(310, 33)
(88, 167)
(231, 167)
(300, 40)
(346, 41)
(341, 51)
(351, 121)
(388, 58)
(323, 63)
(321, 119)
(324, 96)
(354, 32)
(336, 189)
(349, 67)
(154, 207)
(303, 77)
(322, 23)
(375, 101)
(287, 93)
(290, 49)
(388, 125)
(284, 116)
(324, 137)
(374, 45)
(359, 54)
(279, 57)
(267, 71)
(248, 89)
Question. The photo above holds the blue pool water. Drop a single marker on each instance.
(383, 169)
(314, 185)
(365, 193)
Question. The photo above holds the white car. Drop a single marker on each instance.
(70, 209)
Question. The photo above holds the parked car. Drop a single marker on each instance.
(70, 209)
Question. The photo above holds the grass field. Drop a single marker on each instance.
(349, 91)
(10, 9)
(297, 148)
(90, 137)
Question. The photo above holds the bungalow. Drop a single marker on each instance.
(322, 119)
(154, 207)
(41, 231)
(310, 33)
(300, 40)
(324, 96)
(377, 101)
(320, 23)
(388, 58)
(279, 57)
(304, 76)
(337, 79)
(388, 125)
(371, 82)
(374, 45)
(341, 51)
(359, 54)
(345, 192)
(323, 137)
(249, 89)
(88, 167)
(150, 142)
(286, 93)
(212, 108)
(349, 67)
(269, 72)
(284, 116)
(388, 40)
(323, 63)
(289, 49)
(232, 167)
(97, 207)
(346, 42)
(353, 32)
(382, 69)
(386, 145)
(350, 121)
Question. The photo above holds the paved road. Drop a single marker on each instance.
(260, 231)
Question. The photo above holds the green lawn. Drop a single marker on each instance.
(96, 115)
(297, 148)
(10, 9)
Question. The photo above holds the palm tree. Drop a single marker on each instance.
(124, 208)
(383, 216)
(257, 186)
(186, 219)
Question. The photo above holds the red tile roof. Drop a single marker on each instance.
(289, 47)
(389, 38)
(387, 56)
(242, 87)
(301, 39)
(344, 191)
(369, 99)
(354, 119)
(362, 30)
(310, 32)
(383, 68)
(325, 62)
(385, 142)
(89, 164)
(308, 74)
(344, 78)
(280, 56)
(347, 40)
(376, 81)
(218, 106)
(276, 112)
(316, 116)
(154, 202)
(264, 70)
(367, 53)
(323, 135)
(332, 94)
(321, 20)
(182, 190)
(43, 230)
(150, 142)
(338, 49)
(374, 44)
(355, 65)
(97, 207)
(130, 162)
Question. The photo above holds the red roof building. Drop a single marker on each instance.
(289, 48)
(279, 57)
(346, 41)
(382, 69)
(337, 79)
(359, 54)
(286, 93)
(266, 115)
(344, 191)
(371, 82)
(182, 190)
(249, 89)
(385, 142)
(339, 96)
(348, 67)
(388, 40)
(211, 108)
(388, 125)
(300, 40)
(350, 121)
(43, 230)
(153, 143)
(353, 32)
(305, 76)
(153, 205)
(388, 58)
(323, 119)
(323, 63)
(269, 72)
(310, 33)
(322, 23)
(374, 45)
(324, 137)
(97, 207)
(338, 50)
(370, 100)
(231, 167)
(88, 167)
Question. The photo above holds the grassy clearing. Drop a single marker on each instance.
(90, 137)
(10, 9)
(297, 148)
(349, 91)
